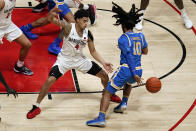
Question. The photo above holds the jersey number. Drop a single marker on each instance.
(137, 48)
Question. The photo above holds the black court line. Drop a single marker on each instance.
(76, 80)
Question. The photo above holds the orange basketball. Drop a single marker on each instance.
(153, 84)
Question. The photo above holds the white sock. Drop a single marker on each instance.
(43, 1)
(37, 104)
(85, 7)
(20, 63)
(183, 12)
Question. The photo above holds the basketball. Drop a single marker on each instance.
(153, 84)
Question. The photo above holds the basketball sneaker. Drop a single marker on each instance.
(28, 32)
(138, 26)
(24, 70)
(98, 122)
(188, 23)
(33, 112)
(40, 7)
(115, 98)
(54, 48)
(92, 13)
(121, 107)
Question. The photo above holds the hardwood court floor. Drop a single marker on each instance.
(146, 112)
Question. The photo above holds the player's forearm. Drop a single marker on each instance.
(98, 57)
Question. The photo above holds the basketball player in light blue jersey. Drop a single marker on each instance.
(132, 46)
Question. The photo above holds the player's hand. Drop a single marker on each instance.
(12, 91)
(53, 16)
(138, 80)
(108, 67)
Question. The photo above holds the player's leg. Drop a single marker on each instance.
(15, 34)
(38, 23)
(104, 104)
(99, 72)
(143, 5)
(127, 87)
(53, 76)
(117, 81)
(123, 105)
(185, 18)
(40, 7)
(24, 50)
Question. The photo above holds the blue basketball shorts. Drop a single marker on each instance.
(121, 77)
(61, 5)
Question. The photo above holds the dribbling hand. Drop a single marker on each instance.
(108, 67)
(138, 80)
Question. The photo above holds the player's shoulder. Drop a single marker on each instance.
(123, 39)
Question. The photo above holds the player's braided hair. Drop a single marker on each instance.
(127, 19)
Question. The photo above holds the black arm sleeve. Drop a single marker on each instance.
(90, 35)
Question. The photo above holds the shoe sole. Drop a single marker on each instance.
(37, 10)
(34, 116)
(120, 110)
(97, 125)
(22, 73)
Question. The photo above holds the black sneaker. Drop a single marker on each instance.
(40, 7)
(24, 70)
(92, 13)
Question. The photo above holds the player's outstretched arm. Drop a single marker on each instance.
(107, 65)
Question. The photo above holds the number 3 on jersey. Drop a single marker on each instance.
(137, 48)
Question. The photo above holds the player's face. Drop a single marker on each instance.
(83, 22)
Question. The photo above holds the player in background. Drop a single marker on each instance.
(179, 3)
(12, 33)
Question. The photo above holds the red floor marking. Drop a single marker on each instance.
(193, 28)
(194, 103)
(184, 116)
(38, 60)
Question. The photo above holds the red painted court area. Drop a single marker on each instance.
(38, 60)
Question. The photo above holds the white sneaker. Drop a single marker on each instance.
(138, 26)
(188, 23)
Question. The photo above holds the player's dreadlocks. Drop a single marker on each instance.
(126, 19)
